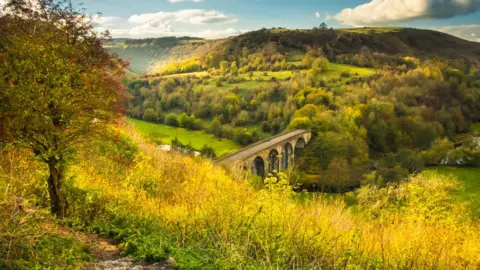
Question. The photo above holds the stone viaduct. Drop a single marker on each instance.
(275, 153)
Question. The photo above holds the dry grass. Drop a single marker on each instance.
(214, 221)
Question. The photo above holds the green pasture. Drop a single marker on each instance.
(197, 139)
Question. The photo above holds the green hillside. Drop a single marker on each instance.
(151, 55)
(380, 105)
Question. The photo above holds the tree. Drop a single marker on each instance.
(183, 120)
(438, 152)
(242, 118)
(171, 120)
(150, 115)
(323, 26)
(207, 151)
(283, 64)
(188, 122)
(216, 128)
(338, 174)
(59, 86)
(321, 64)
(234, 68)
(224, 67)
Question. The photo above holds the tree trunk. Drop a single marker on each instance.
(58, 204)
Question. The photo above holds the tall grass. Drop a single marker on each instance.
(162, 204)
(29, 238)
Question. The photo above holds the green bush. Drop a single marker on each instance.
(150, 115)
(171, 120)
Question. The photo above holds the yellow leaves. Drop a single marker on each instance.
(190, 65)
(433, 72)
(199, 204)
(412, 60)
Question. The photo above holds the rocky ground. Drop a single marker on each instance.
(108, 256)
(127, 264)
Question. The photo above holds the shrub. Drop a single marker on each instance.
(171, 120)
(243, 137)
(266, 127)
(207, 151)
(345, 74)
(150, 115)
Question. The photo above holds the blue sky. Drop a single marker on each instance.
(222, 18)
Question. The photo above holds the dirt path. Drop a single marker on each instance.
(107, 254)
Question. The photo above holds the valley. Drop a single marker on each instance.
(361, 146)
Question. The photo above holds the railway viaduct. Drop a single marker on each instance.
(275, 153)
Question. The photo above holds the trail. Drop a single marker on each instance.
(108, 255)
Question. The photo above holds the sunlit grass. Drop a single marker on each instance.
(336, 69)
(470, 179)
(197, 139)
(162, 205)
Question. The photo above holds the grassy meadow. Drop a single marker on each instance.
(197, 139)
(160, 204)
(470, 180)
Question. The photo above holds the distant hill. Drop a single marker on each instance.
(392, 41)
(145, 54)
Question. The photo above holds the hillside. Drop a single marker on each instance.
(161, 205)
(147, 55)
(388, 179)
(379, 112)
(143, 54)
(392, 41)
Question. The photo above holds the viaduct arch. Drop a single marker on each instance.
(275, 153)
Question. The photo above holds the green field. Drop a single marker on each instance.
(198, 74)
(260, 77)
(336, 69)
(267, 75)
(470, 178)
(206, 122)
(196, 138)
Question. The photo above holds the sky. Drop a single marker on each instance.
(222, 18)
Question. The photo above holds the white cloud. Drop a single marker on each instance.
(162, 24)
(145, 31)
(317, 14)
(179, 1)
(189, 22)
(190, 16)
(214, 34)
(387, 11)
(99, 20)
(468, 32)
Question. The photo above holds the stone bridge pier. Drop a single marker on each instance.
(274, 154)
